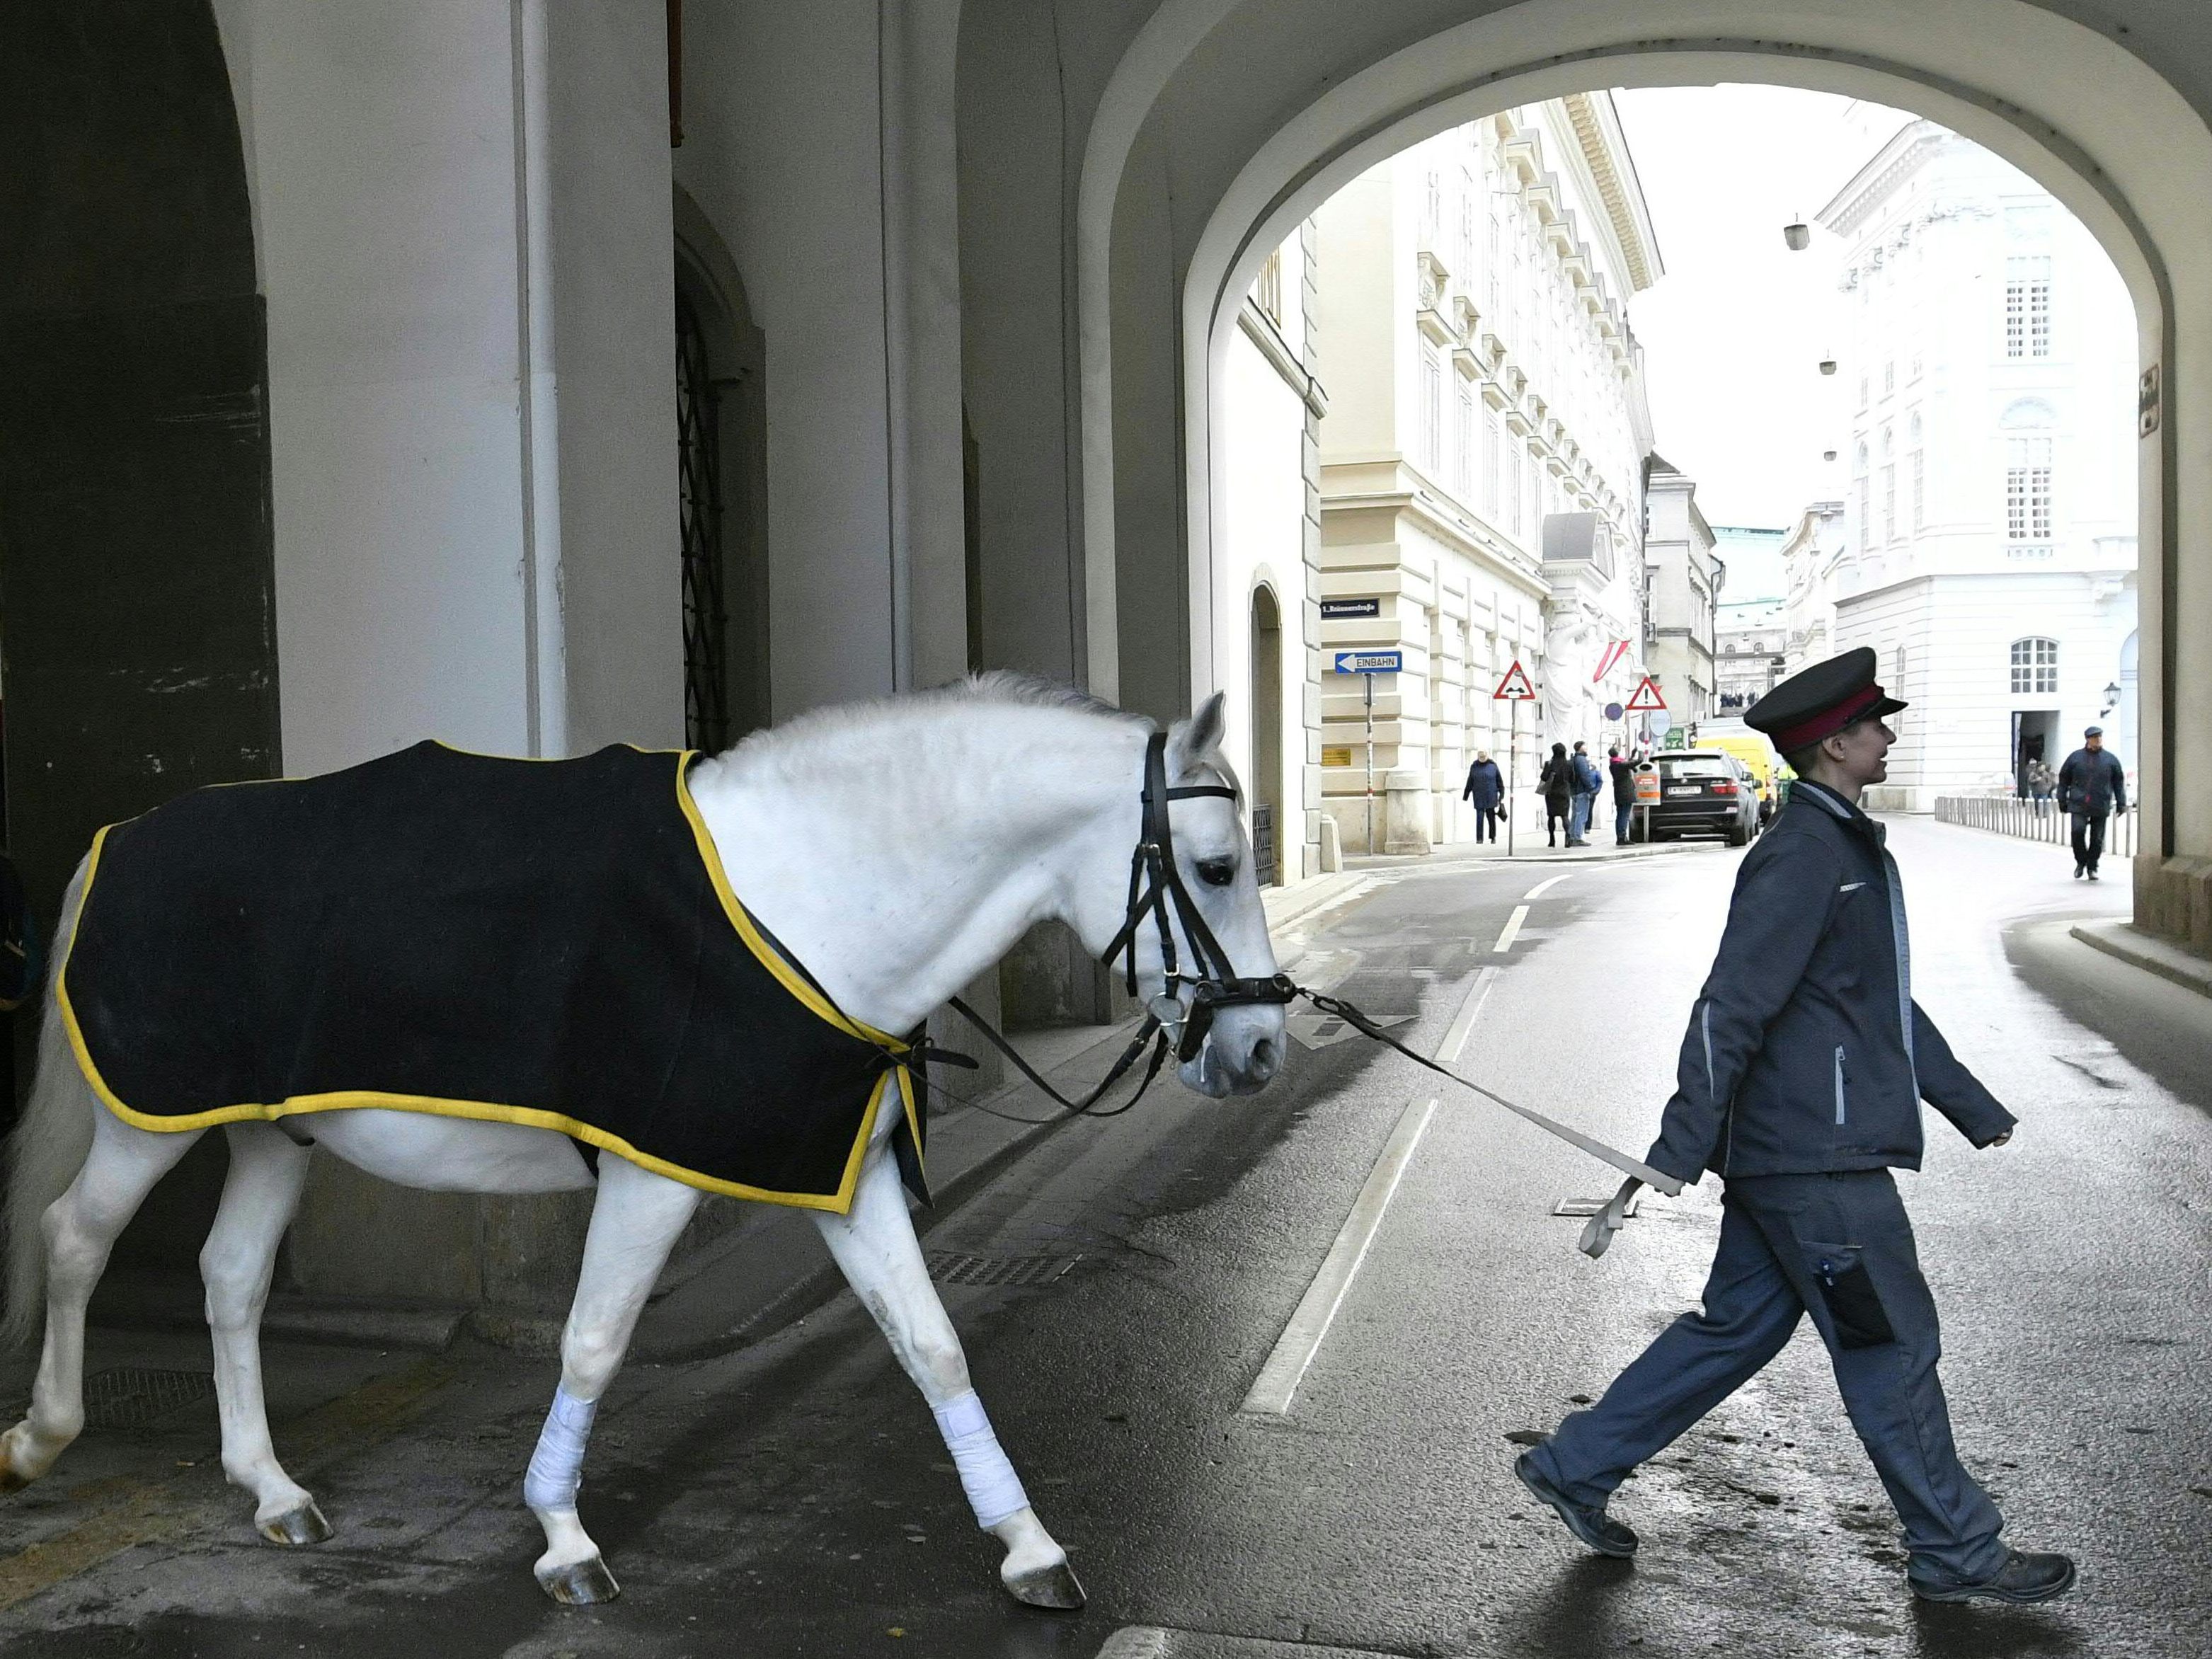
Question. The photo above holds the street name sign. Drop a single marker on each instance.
(1645, 699)
(1369, 662)
(1515, 687)
(1337, 610)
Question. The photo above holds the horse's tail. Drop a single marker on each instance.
(48, 1146)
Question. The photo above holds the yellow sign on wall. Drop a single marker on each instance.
(1335, 754)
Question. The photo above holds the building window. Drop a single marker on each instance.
(1463, 450)
(1888, 486)
(1433, 410)
(2034, 667)
(1889, 377)
(1918, 457)
(1513, 494)
(2028, 490)
(1866, 513)
(1493, 458)
(1267, 292)
(1863, 398)
(2027, 306)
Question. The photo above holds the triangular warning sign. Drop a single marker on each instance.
(1515, 686)
(1646, 699)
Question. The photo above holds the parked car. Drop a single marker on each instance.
(1704, 791)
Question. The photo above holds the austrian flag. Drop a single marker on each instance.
(1614, 651)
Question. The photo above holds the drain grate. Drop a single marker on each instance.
(129, 1396)
(952, 1267)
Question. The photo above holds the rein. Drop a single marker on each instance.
(1155, 887)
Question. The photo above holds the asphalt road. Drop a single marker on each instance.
(793, 1498)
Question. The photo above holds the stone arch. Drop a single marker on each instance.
(1267, 108)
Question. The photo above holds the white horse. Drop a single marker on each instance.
(898, 849)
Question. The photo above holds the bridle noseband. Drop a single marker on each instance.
(1155, 885)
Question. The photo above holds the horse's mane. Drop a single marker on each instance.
(820, 733)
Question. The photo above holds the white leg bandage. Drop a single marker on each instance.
(993, 1490)
(557, 1468)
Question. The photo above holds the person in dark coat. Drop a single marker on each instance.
(1486, 791)
(1624, 794)
(1800, 1084)
(1556, 783)
(2092, 785)
(1588, 780)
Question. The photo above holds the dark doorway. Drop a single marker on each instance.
(138, 616)
(2035, 738)
(699, 485)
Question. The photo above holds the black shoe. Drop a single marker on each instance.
(1593, 1526)
(2092, 875)
(2023, 1577)
(2077, 873)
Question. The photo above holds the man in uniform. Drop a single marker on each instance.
(1799, 1084)
(2091, 785)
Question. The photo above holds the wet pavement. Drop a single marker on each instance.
(792, 1498)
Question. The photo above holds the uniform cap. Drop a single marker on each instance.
(1821, 701)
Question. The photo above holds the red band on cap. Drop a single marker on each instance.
(1828, 721)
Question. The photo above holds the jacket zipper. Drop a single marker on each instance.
(1839, 1084)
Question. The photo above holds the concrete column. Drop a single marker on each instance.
(464, 229)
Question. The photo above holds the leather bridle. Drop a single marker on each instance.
(1155, 887)
(1157, 893)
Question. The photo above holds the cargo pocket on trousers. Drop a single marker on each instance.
(1854, 1305)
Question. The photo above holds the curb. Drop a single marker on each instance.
(2125, 941)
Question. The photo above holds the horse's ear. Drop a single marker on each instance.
(1189, 741)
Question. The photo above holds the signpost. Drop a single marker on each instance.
(1367, 665)
(1646, 700)
(1345, 610)
(1513, 690)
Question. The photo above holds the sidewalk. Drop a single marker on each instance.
(1601, 851)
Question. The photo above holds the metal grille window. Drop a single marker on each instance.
(2027, 306)
(2027, 490)
(699, 490)
(2034, 667)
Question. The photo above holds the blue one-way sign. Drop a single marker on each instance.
(1369, 662)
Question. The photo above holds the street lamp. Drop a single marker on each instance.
(2112, 698)
(1827, 454)
(1827, 365)
(1797, 236)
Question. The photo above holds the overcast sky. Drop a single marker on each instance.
(1734, 333)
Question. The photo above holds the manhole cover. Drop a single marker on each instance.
(951, 1268)
(129, 1396)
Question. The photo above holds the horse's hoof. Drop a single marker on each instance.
(303, 1525)
(10, 1479)
(1056, 1586)
(580, 1583)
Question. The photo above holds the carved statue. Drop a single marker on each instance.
(1570, 646)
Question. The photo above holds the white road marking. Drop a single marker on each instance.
(1512, 927)
(1277, 1385)
(1542, 887)
(1463, 1023)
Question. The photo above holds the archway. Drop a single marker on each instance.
(1265, 779)
(2114, 142)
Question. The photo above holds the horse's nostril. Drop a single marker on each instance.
(1264, 1057)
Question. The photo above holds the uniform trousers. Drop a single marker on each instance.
(1779, 1235)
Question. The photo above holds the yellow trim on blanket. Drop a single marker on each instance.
(531, 1117)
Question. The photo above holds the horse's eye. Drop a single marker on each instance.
(1216, 872)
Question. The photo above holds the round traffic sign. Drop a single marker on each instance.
(1661, 721)
(1613, 711)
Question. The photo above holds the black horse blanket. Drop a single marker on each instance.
(547, 943)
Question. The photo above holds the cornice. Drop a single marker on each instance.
(1597, 133)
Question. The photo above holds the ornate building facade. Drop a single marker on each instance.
(1990, 552)
(1480, 459)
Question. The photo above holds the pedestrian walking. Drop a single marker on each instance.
(1556, 783)
(2040, 781)
(1624, 794)
(1485, 791)
(1799, 1084)
(2092, 786)
(1587, 783)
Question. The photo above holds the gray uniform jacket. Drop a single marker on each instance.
(1806, 1052)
